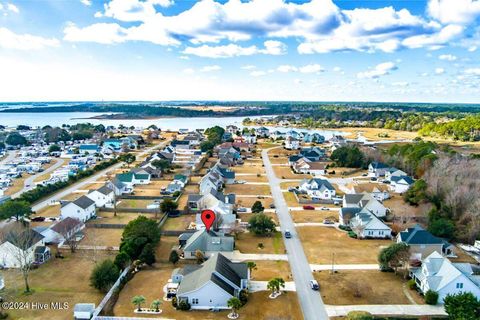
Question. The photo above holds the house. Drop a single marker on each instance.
(306, 166)
(210, 286)
(231, 129)
(317, 188)
(438, 274)
(212, 180)
(377, 169)
(180, 144)
(19, 247)
(293, 134)
(227, 136)
(366, 201)
(366, 225)
(378, 191)
(401, 184)
(276, 135)
(61, 231)
(89, 148)
(213, 200)
(102, 197)
(131, 179)
(346, 214)
(227, 148)
(313, 137)
(394, 172)
(249, 138)
(292, 143)
(227, 175)
(82, 209)
(338, 140)
(294, 158)
(262, 132)
(422, 243)
(119, 187)
(313, 153)
(174, 186)
(207, 242)
(113, 144)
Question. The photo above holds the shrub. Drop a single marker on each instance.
(431, 297)
(104, 275)
(174, 302)
(411, 284)
(359, 315)
(243, 296)
(121, 260)
(184, 305)
(352, 234)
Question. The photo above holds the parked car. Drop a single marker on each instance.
(324, 208)
(272, 206)
(364, 174)
(308, 208)
(240, 181)
(288, 235)
(242, 209)
(292, 189)
(373, 179)
(328, 221)
(314, 285)
(386, 181)
(37, 219)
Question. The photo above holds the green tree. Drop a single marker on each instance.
(251, 266)
(275, 284)
(122, 260)
(442, 227)
(168, 205)
(359, 315)
(173, 258)
(104, 275)
(138, 301)
(348, 156)
(136, 234)
(394, 256)
(431, 297)
(416, 193)
(155, 305)
(257, 207)
(261, 224)
(16, 139)
(128, 158)
(54, 148)
(162, 164)
(462, 306)
(206, 146)
(235, 304)
(148, 254)
(15, 208)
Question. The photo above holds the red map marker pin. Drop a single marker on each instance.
(208, 217)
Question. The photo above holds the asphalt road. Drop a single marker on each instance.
(59, 195)
(310, 301)
(9, 157)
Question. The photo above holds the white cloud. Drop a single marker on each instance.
(297, 81)
(188, 71)
(248, 67)
(311, 68)
(381, 69)
(11, 40)
(257, 73)
(234, 50)
(454, 11)
(401, 84)
(86, 2)
(337, 69)
(134, 10)
(13, 8)
(211, 68)
(439, 71)
(447, 57)
(105, 33)
(286, 68)
(473, 71)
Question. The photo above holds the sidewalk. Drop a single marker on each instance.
(262, 286)
(237, 256)
(390, 310)
(322, 267)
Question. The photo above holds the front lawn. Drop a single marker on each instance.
(249, 243)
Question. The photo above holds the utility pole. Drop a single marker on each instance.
(333, 263)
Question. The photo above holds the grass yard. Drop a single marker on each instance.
(251, 170)
(286, 173)
(59, 280)
(248, 202)
(134, 203)
(101, 237)
(248, 243)
(267, 270)
(247, 189)
(179, 223)
(246, 216)
(290, 199)
(120, 218)
(49, 211)
(360, 287)
(253, 178)
(164, 248)
(17, 185)
(319, 243)
(313, 215)
(399, 207)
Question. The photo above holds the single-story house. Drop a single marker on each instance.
(89, 148)
(207, 242)
(61, 231)
(366, 225)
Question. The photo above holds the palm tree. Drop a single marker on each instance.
(138, 301)
(251, 266)
(272, 285)
(156, 305)
(280, 283)
(235, 304)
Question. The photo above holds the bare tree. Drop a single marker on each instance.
(68, 228)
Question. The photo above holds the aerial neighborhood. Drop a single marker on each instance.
(117, 209)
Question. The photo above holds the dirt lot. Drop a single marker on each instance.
(101, 237)
(399, 207)
(286, 173)
(179, 223)
(49, 285)
(248, 202)
(359, 287)
(247, 189)
(313, 215)
(49, 211)
(319, 243)
(267, 270)
(248, 243)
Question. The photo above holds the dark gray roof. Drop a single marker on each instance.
(379, 165)
(194, 197)
(407, 179)
(83, 202)
(26, 239)
(353, 197)
(117, 183)
(418, 235)
(105, 190)
(66, 224)
(348, 213)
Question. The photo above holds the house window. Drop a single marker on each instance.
(459, 285)
(194, 301)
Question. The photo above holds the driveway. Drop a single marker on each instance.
(310, 301)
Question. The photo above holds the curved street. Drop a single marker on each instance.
(310, 301)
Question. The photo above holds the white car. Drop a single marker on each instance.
(314, 285)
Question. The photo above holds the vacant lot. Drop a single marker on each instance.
(119, 218)
(313, 215)
(267, 270)
(59, 280)
(400, 208)
(134, 203)
(49, 211)
(249, 243)
(283, 172)
(101, 237)
(179, 223)
(249, 201)
(248, 189)
(320, 243)
(248, 169)
(246, 216)
(360, 287)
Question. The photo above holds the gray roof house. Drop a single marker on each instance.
(213, 284)
(422, 243)
(206, 242)
(317, 188)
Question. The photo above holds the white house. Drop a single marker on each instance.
(303, 165)
(292, 143)
(394, 172)
(438, 274)
(16, 249)
(365, 200)
(82, 209)
(377, 169)
(61, 231)
(401, 184)
(317, 188)
(206, 242)
(119, 187)
(249, 138)
(213, 284)
(366, 225)
(103, 196)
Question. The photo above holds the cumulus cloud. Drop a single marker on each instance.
(258, 73)
(454, 11)
(320, 25)
(233, 50)
(286, 68)
(249, 67)
(11, 40)
(88, 3)
(447, 57)
(105, 33)
(381, 69)
(473, 71)
(211, 68)
(311, 68)
(13, 8)
(439, 71)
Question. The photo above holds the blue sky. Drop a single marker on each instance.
(317, 50)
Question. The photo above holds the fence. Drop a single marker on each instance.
(174, 233)
(314, 201)
(108, 296)
(130, 210)
(105, 225)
